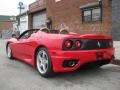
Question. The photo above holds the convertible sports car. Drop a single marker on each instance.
(52, 52)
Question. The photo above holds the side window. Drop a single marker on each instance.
(25, 35)
(96, 14)
(87, 15)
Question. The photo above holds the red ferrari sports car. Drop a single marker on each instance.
(52, 52)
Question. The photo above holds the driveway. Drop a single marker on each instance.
(17, 75)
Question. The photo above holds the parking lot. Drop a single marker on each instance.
(17, 75)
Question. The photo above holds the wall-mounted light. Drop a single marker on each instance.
(57, 0)
(49, 22)
(100, 5)
(100, 2)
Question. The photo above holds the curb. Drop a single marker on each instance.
(116, 62)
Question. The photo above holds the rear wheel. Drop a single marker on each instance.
(9, 52)
(43, 62)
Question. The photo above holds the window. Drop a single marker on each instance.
(91, 15)
(96, 14)
(27, 34)
(87, 15)
(24, 35)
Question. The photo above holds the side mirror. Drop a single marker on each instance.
(14, 36)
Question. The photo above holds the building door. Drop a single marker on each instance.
(116, 20)
(39, 19)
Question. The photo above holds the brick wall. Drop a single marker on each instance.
(68, 13)
(6, 29)
(37, 6)
(4, 25)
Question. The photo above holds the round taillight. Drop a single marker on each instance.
(68, 44)
(77, 44)
(111, 43)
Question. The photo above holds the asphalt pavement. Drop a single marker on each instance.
(17, 75)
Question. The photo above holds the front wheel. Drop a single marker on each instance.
(43, 62)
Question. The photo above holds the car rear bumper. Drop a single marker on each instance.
(82, 57)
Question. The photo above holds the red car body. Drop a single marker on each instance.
(25, 49)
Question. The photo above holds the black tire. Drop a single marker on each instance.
(49, 71)
(9, 53)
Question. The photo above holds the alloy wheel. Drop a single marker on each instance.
(42, 61)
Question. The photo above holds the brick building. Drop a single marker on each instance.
(37, 14)
(81, 16)
(6, 23)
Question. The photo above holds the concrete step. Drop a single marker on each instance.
(116, 62)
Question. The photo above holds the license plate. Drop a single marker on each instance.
(99, 55)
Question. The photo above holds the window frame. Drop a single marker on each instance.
(91, 15)
(29, 32)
